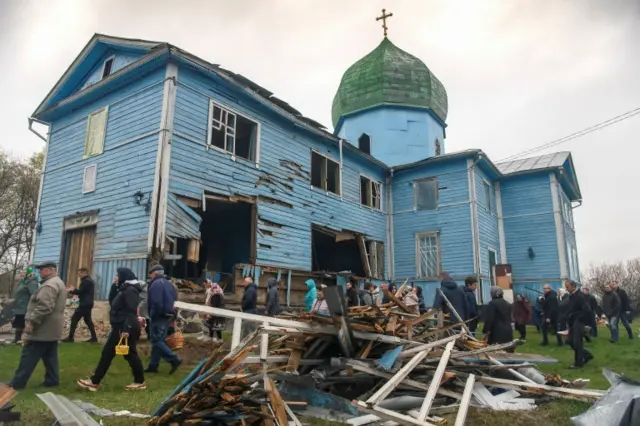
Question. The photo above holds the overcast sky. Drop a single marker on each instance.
(518, 73)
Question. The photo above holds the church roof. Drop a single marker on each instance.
(388, 76)
(547, 161)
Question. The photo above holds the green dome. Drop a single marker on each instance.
(388, 76)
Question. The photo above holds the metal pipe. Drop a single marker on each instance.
(32, 130)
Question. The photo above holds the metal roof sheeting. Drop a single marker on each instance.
(547, 161)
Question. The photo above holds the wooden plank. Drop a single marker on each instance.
(410, 352)
(576, 394)
(435, 382)
(276, 401)
(402, 418)
(291, 414)
(513, 372)
(461, 417)
(363, 255)
(456, 315)
(397, 301)
(366, 350)
(388, 387)
(391, 325)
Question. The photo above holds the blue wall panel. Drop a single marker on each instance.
(487, 221)
(121, 59)
(104, 271)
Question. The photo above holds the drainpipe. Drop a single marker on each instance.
(34, 131)
(390, 236)
(474, 217)
(44, 166)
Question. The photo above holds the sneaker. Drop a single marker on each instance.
(175, 365)
(135, 387)
(88, 385)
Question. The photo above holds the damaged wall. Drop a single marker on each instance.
(287, 204)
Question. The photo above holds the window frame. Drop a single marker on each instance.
(418, 259)
(370, 143)
(371, 182)
(567, 210)
(95, 178)
(487, 193)
(415, 193)
(111, 58)
(324, 173)
(104, 109)
(213, 103)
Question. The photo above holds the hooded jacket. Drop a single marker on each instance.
(250, 299)
(23, 293)
(456, 297)
(311, 296)
(273, 298)
(124, 306)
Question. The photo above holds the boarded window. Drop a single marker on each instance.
(96, 129)
(89, 179)
(428, 255)
(364, 143)
(232, 132)
(325, 173)
(425, 194)
(487, 196)
(107, 67)
(370, 193)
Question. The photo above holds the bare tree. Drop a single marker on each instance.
(626, 274)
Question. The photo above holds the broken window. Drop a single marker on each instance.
(232, 132)
(107, 67)
(96, 129)
(325, 173)
(428, 255)
(370, 193)
(364, 143)
(425, 194)
(375, 255)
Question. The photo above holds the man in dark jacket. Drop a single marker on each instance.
(456, 297)
(550, 315)
(273, 298)
(577, 316)
(593, 304)
(85, 294)
(249, 304)
(352, 295)
(470, 286)
(625, 308)
(161, 296)
(611, 308)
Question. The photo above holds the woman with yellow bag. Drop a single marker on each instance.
(125, 332)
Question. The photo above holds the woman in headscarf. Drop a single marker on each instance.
(497, 325)
(411, 300)
(521, 315)
(216, 301)
(320, 305)
(124, 298)
(352, 295)
(26, 287)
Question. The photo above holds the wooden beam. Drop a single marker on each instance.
(388, 387)
(363, 255)
(575, 394)
(431, 345)
(435, 382)
(513, 372)
(466, 400)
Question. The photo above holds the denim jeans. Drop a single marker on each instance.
(613, 328)
(159, 328)
(625, 322)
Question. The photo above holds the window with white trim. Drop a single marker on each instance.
(89, 179)
(425, 194)
(572, 258)
(107, 67)
(428, 254)
(370, 193)
(325, 173)
(232, 132)
(487, 195)
(96, 130)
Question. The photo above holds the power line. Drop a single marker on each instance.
(575, 135)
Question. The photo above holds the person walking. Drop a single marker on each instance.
(577, 317)
(249, 304)
(593, 304)
(550, 315)
(563, 307)
(311, 296)
(124, 298)
(611, 307)
(537, 313)
(85, 293)
(43, 329)
(470, 286)
(456, 297)
(26, 288)
(273, 298)
(625, 308)
(521, 315)
(161, 297)
(497, 324)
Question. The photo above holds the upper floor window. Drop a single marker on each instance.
(232, 132)
(425, 194)
(487, 196)
(428, 255)
(370, 194)
(96, 129)
(107, 67)
(567, 211)
(364, 143)
(325, 173)
(89, 179)
(438, 147)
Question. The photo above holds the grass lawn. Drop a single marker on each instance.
(78, 361)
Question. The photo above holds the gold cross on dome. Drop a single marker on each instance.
(384, 17)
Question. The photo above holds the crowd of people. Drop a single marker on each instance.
(134, 306)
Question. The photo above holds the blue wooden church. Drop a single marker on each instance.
(154, 154)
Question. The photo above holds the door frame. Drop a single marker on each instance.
(73, 222)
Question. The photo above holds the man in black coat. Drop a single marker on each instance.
(593, 304)
(577, 316)
(456, 297)
(550, 315)
(249, 304)
(625, 308)
(470, 286)
(85, 293)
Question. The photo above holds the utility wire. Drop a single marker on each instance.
(575, 135)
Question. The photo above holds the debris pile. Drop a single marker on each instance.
(186, 286)
(372, 364)
(102, 327)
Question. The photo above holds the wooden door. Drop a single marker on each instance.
(78, 253)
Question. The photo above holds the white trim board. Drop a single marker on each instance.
(559, 223)
(474, 215)
(501, 236)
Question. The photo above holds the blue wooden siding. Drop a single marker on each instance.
(531, 290)
(121, 58)
(570, 238)
(287, 205)
(527, 208)
(104, 271)
(452, 219)
(126, 166)
(487, 221)
(182, 221)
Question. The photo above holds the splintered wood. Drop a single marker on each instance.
(384, 361)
